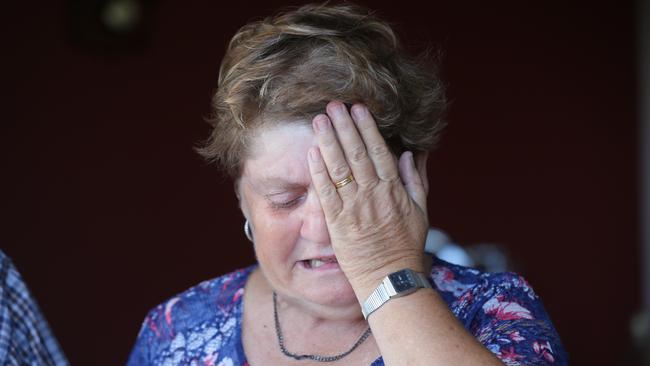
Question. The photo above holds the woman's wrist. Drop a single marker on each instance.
(366, 282)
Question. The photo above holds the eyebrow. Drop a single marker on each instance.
(278, 182)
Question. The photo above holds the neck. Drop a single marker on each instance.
(312, 314)
(310, 328)
(316, 316)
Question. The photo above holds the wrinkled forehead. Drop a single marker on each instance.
(277, 153)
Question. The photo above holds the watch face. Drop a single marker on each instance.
(402, 280)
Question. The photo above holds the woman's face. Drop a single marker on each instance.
(292, 243)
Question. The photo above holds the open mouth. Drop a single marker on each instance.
(328, 262)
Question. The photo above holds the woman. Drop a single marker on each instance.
(324, 125)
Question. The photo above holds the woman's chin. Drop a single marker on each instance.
(333, 291)
(320, 286)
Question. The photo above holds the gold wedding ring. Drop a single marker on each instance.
(344, 182)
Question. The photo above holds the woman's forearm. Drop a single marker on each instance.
(419, 329)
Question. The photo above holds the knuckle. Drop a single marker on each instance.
(320, 169)
(367, 184)
(393, 179)
(358, 154)
(340, 171)
(380, 150)
(327, 191)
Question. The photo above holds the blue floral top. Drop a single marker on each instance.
(202, 326)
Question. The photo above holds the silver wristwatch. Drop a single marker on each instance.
(396, 284)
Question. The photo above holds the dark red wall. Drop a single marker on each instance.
(107, 211)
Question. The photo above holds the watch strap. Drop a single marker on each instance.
(385, 291)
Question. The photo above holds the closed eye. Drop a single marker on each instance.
(285, 204)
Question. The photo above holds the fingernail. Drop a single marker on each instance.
(411, 158)
(314, 155)
(320, 123)
(358, 111)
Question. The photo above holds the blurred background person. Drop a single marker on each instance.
(25, 336)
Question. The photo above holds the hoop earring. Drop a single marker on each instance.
(247, 231)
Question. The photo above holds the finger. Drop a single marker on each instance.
(327, 193)
(352, 144)
(331, 152)
(412, 180)
(421, 159)
(378, 151)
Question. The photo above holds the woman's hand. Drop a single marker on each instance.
(377, 225)
(378, 222)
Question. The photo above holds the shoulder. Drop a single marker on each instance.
(201, 302)
(502, 311)
(470, 293)
(198, 320)
(463, 287)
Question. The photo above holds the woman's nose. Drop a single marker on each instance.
(314, 227)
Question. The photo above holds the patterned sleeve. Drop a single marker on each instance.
(513, 324)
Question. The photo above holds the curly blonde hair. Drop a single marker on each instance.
(288, 67)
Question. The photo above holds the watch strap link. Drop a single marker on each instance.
(385, 291)
(422, 280)
(378, 297)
